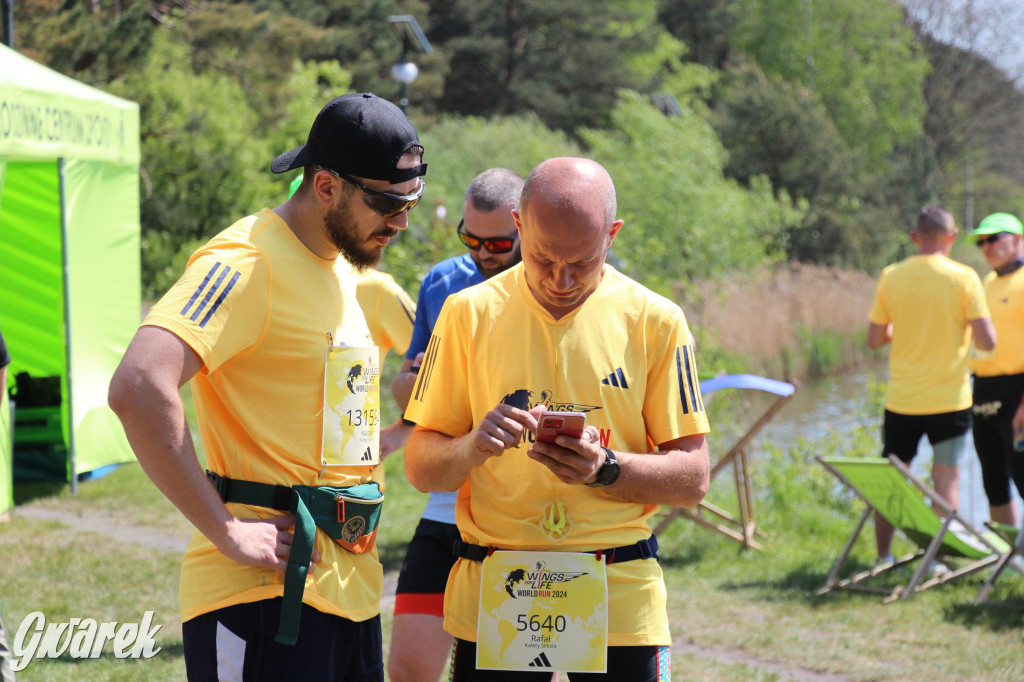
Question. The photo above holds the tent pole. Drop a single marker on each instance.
(67, 324)
(7, 8)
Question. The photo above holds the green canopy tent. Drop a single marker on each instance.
(69, 264)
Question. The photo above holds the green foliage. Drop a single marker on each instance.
(203, 165)
(562, 61)
(457, 150)
(859, 58)
(97, 42)
(684, 219)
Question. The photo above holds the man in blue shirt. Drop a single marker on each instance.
(419, 645)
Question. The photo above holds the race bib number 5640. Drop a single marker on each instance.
(543, 610)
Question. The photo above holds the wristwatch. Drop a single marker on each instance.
(609, 471)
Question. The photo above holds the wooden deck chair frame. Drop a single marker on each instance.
(743, 527)
(1014, 538)
(937, 540)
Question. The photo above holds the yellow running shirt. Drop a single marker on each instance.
(930, 300)
(623, 358)
(1005, 297)
(257, 307)
(388, 309)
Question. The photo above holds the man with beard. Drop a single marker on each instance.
(250, 323)
(419, 644)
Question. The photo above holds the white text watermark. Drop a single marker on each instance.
(82, 638)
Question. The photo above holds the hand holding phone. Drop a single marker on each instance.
(554, 424)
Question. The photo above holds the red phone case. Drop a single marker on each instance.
(552, 424)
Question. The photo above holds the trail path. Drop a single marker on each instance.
(98, 522)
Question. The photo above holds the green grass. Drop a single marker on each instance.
(736, 615)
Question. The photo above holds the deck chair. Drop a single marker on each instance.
(1014, 540)
(741, 528)
(889, 488)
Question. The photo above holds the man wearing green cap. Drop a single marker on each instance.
(927, 306)
(999, 375)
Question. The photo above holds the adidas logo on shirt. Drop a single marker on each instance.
(616, 379)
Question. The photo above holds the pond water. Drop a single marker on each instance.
(837, 403)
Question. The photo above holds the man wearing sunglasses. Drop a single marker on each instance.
(562, 331)
(999, 376)
(420, 647)
(928, 306)
(249, 324)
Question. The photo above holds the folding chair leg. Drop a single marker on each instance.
(1003, 562)
(834, 574)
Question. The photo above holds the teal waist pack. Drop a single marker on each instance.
(349, 516)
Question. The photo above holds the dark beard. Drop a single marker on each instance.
(343, 231)
(491, 272)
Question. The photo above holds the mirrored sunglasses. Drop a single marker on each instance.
(492, 244)
(384, 203)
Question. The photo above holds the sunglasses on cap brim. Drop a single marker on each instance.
(384, 203)
(492, 244)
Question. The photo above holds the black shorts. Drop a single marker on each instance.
(236, 638)
(995, 402)
(625, 664)
(902, 432)
(424, 574)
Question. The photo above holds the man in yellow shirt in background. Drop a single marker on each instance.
(927, 306)
(999, 376)
(565, 331)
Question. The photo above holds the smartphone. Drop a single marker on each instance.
(553, 424)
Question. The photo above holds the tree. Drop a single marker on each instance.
(858, 57)
(563, 61)
(684, 219)
(205, 153)
(703, 25)
(457, 149)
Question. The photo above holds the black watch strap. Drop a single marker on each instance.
(608, 472)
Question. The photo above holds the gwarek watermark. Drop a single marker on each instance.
(82, 638)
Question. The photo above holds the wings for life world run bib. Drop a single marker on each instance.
(543, 610)
(351, 433)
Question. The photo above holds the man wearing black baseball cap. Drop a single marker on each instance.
(264, 592)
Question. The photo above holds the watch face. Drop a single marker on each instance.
(609, 472)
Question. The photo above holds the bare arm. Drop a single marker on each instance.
(405, 380)
(144, 395)
(678, 474)
(437, 461)
(879, 335)
(984, 333)
(1018, 422)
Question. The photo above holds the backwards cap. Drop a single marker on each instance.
(357, 134)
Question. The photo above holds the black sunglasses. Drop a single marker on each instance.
(492, 244)
(991, 239)
(384, 203)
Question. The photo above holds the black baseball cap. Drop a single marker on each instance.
(358, 134)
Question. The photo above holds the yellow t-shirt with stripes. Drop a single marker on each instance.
(930, 301)
(624, 358)
(388, 309)
(257, 306)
